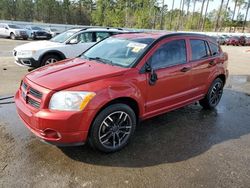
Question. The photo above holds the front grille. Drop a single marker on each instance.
(31, 96)
(35, 93)
(33, 103)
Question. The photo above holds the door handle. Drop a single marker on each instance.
(186, 69)
(212, 63)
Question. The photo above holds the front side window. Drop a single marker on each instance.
(199, 49)
(169, 54)
(84, 37)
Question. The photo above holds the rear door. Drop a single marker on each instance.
(203, 64)
(169, 59)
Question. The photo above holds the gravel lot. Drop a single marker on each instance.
(189, 147)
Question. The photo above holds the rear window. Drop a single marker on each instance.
(199, 49)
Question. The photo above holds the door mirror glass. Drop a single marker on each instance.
(7, 28)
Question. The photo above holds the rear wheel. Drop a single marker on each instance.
(50, 59)
(113, 128)
(12, 36)
(214, 95)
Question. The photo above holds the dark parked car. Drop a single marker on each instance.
(101, 96)
(36, 32)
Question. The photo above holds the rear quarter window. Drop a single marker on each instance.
(215, 49)
(199, 49)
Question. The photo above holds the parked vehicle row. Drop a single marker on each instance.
(30, 31)
(100, 96)
(233, 40)
(68, 44)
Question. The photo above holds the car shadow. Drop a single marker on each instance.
(176, 136)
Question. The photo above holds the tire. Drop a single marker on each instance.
(213, 95)
(111, 136)
(12, 36)
(50, 59)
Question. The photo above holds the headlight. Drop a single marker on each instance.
(70, 100)
(26, 53)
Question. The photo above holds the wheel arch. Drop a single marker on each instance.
(54, 52)
(132, 103)
(222, 77)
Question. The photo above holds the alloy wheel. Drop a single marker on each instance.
(216, 93)
(50, 61)
(115, 130)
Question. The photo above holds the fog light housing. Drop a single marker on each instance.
(50, 133)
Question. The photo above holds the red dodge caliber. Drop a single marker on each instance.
(102, 95)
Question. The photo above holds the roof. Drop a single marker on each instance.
(157, 35)
(96, 29)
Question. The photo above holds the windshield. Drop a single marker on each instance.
(36, 28)
(14, 27)
(63, 36)
(118, 51)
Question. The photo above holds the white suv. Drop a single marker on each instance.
(68, 44)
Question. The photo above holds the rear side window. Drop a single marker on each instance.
(215, 50)
(101, 35)
(169, 54)
(199, 49)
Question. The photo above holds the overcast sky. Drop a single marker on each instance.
(215, 4)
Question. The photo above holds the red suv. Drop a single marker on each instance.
(102, 95)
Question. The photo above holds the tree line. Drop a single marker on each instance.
(147, 14)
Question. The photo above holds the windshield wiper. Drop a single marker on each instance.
(105, 61)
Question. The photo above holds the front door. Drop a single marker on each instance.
(169, 60)
(83, 41)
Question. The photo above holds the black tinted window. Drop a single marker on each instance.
(214, 49)
(199, 49)
(169, 54)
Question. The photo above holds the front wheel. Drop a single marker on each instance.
(213, 95)
(113, 128)
(49, 59)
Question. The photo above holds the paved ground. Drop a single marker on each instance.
(189, 147)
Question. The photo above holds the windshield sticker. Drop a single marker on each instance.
(136, 47)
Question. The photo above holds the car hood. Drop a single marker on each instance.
(37, 45)
(72, 72)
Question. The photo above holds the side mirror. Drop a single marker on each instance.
(7, 28)
(73, 41)
(152, 74)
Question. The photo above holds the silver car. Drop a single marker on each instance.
(13, 31)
